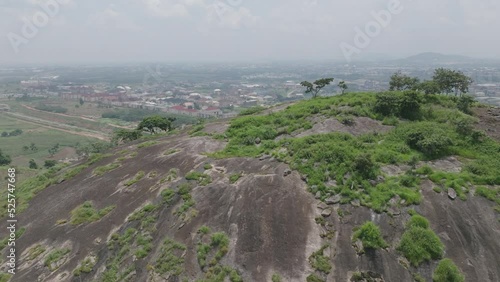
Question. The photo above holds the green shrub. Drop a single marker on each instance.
(392, 121)
(447, 271)
(34, 252)
(167, 195)
(139, 175)
(429, 138)
(55, 256)
(203, 179)
(251, 111)
(170, 260)
(314, 278)
(370, 235)
(233, 178)
(147, 144)
(418, 221)
(387, 104)
(319, 261)
(86, 266)
(365, 166)
(419, 244)
(86, 213)
(276, 278)
(101, 170)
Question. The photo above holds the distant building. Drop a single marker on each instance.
(210, 112)
(183, 111)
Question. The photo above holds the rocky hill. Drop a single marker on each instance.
(358, 187)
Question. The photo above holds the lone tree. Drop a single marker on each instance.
(153, 123)
(400, 81)
(32, 164)
(4, 159)
(343, 86)
(82, 101)
(452, 81)
(54, 150)
(50, 163)
(316, 86)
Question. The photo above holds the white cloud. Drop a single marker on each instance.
(170, 8)
(225, 16)
(111, 18)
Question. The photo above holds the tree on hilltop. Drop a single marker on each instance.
(153, 123)
(452, 81)
(343, 86)
(400, 81)
(316, 86)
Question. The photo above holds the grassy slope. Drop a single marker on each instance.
(438, 130)
(44, 139)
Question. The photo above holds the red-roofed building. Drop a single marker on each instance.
(183, 111)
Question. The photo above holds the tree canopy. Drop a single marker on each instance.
(4, 158)
(127, 135)
(154, 123)
(315, 87)
(452, 81)
(343, 86)
(400, 81)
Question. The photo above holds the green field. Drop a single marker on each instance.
(43, 138)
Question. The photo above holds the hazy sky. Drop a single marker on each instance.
(172, 30)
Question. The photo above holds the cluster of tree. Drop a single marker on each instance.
(52, 109)
(32, 147)
(47, 164)
(137, 115)
(4, 159)
(407, 104)
(443, 81)
(92, 148)
(152, 125)
(156, 123)
(15, 132)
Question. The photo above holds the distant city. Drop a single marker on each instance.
(222, 90)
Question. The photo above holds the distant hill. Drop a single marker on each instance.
(437, 58)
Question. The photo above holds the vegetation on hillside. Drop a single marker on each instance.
(419, 243)
(86, 213)
(370, 236)
(447, 271)
(430, 127)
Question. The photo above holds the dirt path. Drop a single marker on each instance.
(66, 115)
(40, 122)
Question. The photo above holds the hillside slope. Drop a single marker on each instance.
(278, 196)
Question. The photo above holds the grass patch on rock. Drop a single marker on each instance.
(139, 175)
(371, 237)
(55, 258)
(86, 213)
(447, 271)
(419, 243)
